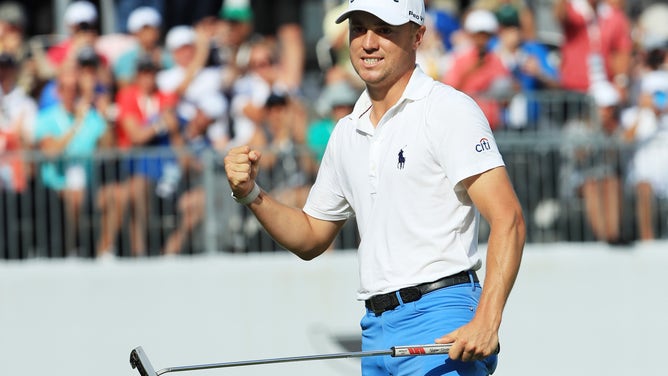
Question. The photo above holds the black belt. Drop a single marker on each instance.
(389, 301)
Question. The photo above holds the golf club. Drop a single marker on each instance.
(139, 360)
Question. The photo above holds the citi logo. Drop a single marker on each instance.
(483, 145)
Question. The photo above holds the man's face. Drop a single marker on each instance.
(148, 35)
(381, 53)
(183, 55)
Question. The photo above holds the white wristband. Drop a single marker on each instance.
(250, 197)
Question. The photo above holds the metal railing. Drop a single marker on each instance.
(195, 208)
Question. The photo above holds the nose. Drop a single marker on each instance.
(370, 40)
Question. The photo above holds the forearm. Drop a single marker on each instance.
(292, 228)
(54, 146)
(560, 10)
(504, 254)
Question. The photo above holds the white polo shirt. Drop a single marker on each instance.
(416, 221)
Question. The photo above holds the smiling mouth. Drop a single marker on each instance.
(371, 61)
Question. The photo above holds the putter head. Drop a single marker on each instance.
(139, 360)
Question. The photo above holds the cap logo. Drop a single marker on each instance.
(416, 16)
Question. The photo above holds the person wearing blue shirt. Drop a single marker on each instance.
(530, 65)
(68, 135)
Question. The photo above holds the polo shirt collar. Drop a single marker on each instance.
(418, 87)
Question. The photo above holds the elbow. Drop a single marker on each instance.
(309, 255)
(306, 256)
(311, 251)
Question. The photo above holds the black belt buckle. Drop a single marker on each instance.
(410, 294)
(381, 303)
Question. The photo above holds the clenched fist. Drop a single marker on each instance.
(241, 167)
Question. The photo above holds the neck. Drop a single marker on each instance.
(384, 97)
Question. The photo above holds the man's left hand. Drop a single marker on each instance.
(472, 341)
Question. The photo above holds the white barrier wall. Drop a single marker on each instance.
(576, 310)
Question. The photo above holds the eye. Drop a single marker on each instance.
(357, 29)
(384, 30)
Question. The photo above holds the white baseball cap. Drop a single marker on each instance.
(394, 12)
(143, 16)
(179, 36)
(79, 12)
(481, 21)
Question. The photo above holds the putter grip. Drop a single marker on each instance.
(420, 350)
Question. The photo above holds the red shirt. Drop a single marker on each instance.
(478, 82)
(131, 104)
(58, 53)
(615, 37)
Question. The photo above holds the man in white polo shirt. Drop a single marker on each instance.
(416, 163)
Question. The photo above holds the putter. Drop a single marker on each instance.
(139, 360)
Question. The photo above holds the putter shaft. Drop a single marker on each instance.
(358, 354)
(139, 360)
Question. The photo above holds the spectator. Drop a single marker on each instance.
(13, 24)
(251, 91)
(234, 33)
(206, 131)
(335, 39)
(146, 118)
(596, 164)
(526, 19)
(597, 44)
(336, 101)
(68, 134)
(281, 20)
(81, 19)
(189, 79)
(95, 81)
(286, 167)
(124, 9)
(144, 24)
(646, 126)
(17, 117)
(478, 71)
(529, 65)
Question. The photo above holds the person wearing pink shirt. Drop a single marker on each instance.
(478, 71)
(597, 44)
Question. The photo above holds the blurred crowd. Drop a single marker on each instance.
(234, 73)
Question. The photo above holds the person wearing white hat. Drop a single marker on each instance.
(81, 19)
(479, 71)
(415, 163)
(189, 78)
(144, 23)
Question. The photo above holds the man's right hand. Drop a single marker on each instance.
(241, 167)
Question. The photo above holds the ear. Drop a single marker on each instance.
(419, 36)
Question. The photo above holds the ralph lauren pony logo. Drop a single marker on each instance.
(402, 159)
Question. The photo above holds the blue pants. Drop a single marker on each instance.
(435, 314)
